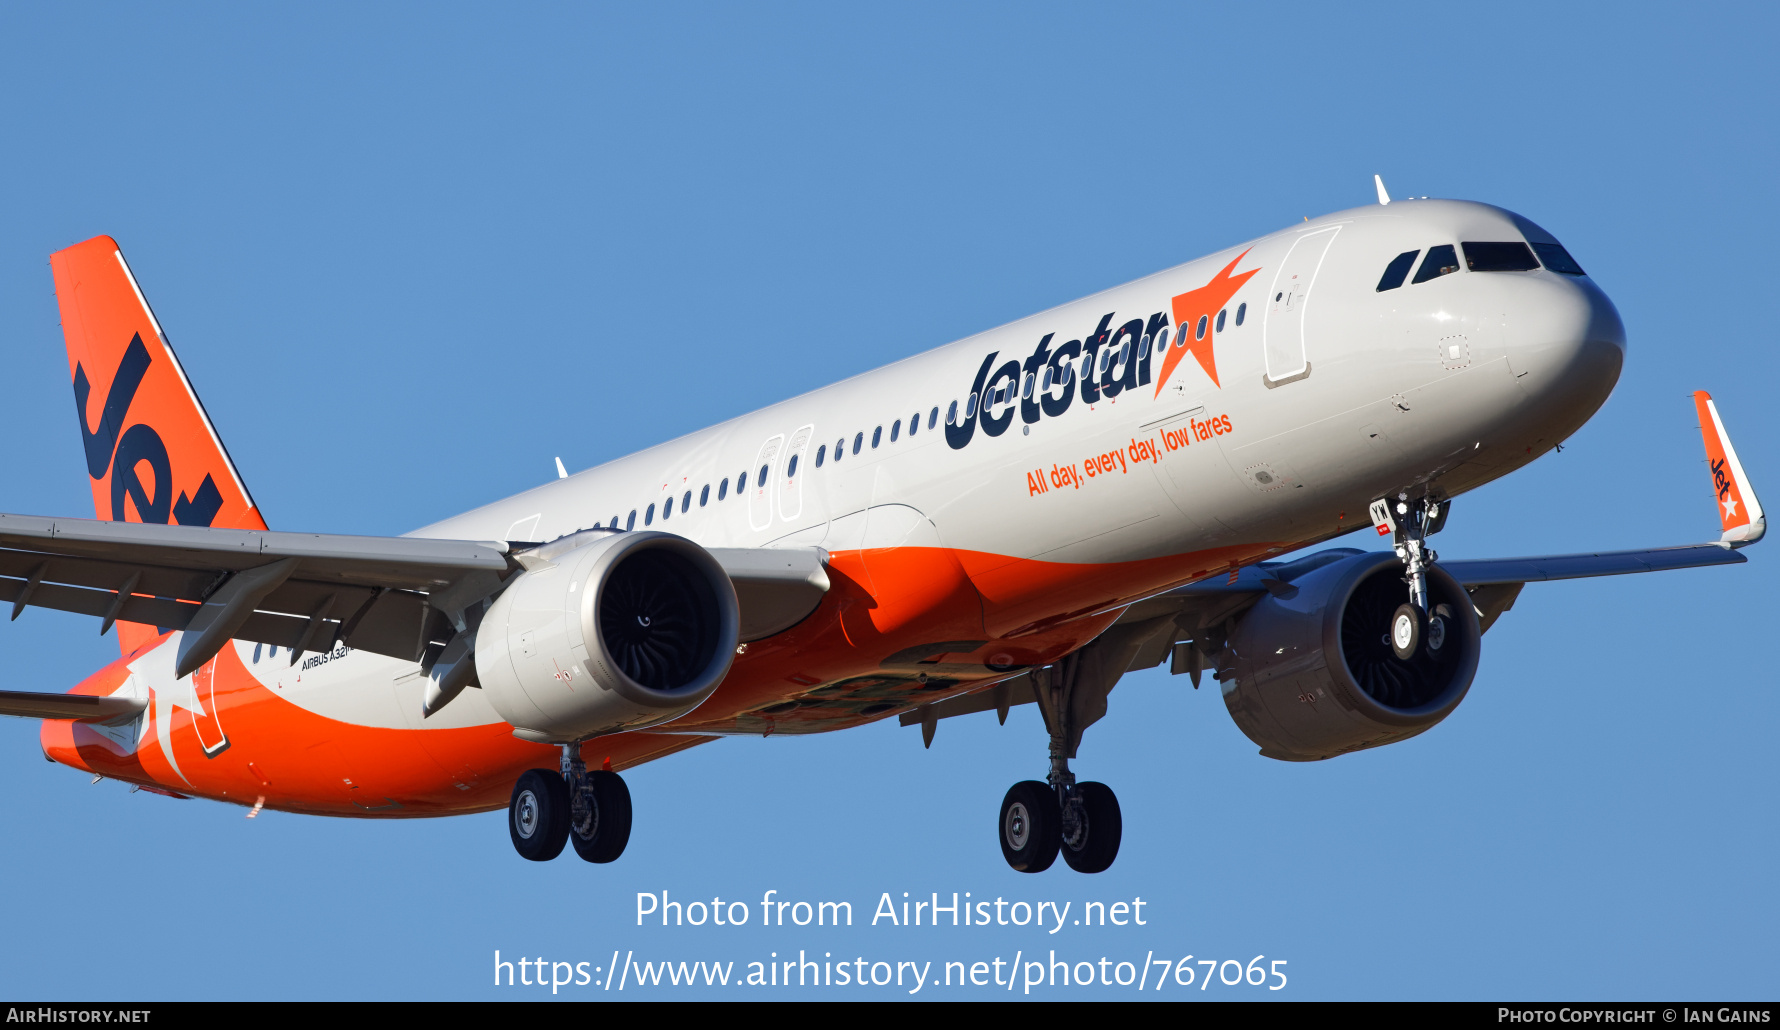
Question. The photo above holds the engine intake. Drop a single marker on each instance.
(1310, 674)
(621, 632)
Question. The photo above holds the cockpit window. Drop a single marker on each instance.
(1441, 260)
(1499, 257)
(1557, 258)
(1394, 273)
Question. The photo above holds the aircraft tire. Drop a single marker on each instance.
(1409, 627)
(609, 831)
(1106, 826)
(1029, 827)
(538, 815)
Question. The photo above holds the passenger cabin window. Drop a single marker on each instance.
(741, 482)
(649, 516)
(760, 480)
(1397, 271)
(895, 430)
(1241, 313)
(723, 488)
(821, 455)
(858, 442)
(1199, 329)
(1499, 257)
(686, 501)
(840, 448)
(704, 495)
(914, 423)
(614, 522)
(876, 435)
(630, 523)
(952, 414)
(667, 509)
(791, 467)
(933, 416)
(1557, 258)
(1219, 327)
(1441, 260)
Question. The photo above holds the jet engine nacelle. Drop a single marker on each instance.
(626, 631)
(1309, 672)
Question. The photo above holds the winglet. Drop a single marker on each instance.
(1738, 507)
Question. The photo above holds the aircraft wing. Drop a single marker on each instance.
(397, 596)
(1493, 583)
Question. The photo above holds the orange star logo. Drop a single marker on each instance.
(1194, 336)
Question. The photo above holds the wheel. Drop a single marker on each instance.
(538, 815)
(607, 828)
(1095, 843)
(1029, 826)
(1409, 626)
(1439, 624)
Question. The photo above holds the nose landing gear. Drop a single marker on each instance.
(588, 809)
(1080, 821)
(1410, 523)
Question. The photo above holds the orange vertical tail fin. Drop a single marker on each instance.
(152, 454)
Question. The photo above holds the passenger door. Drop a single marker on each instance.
(1283, 332)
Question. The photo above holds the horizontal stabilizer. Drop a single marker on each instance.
(80, 707)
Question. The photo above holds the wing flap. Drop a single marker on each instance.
(106, 574)
(149, 611)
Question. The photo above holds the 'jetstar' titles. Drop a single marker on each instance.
(1105, 363)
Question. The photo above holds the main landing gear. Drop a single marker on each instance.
(1079, 820)
(1414, 625)
(589, 809)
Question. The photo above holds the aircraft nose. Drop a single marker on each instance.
(1566, 344)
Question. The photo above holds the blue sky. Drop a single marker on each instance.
(410, 253)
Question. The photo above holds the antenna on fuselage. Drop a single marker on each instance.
(561, 473)
(1383, 197)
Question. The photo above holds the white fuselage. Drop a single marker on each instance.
(1329, 393)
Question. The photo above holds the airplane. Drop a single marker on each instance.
(1019, 517)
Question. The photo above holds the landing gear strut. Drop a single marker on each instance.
(1079, 820)
(1411, 522)
(553, 808)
